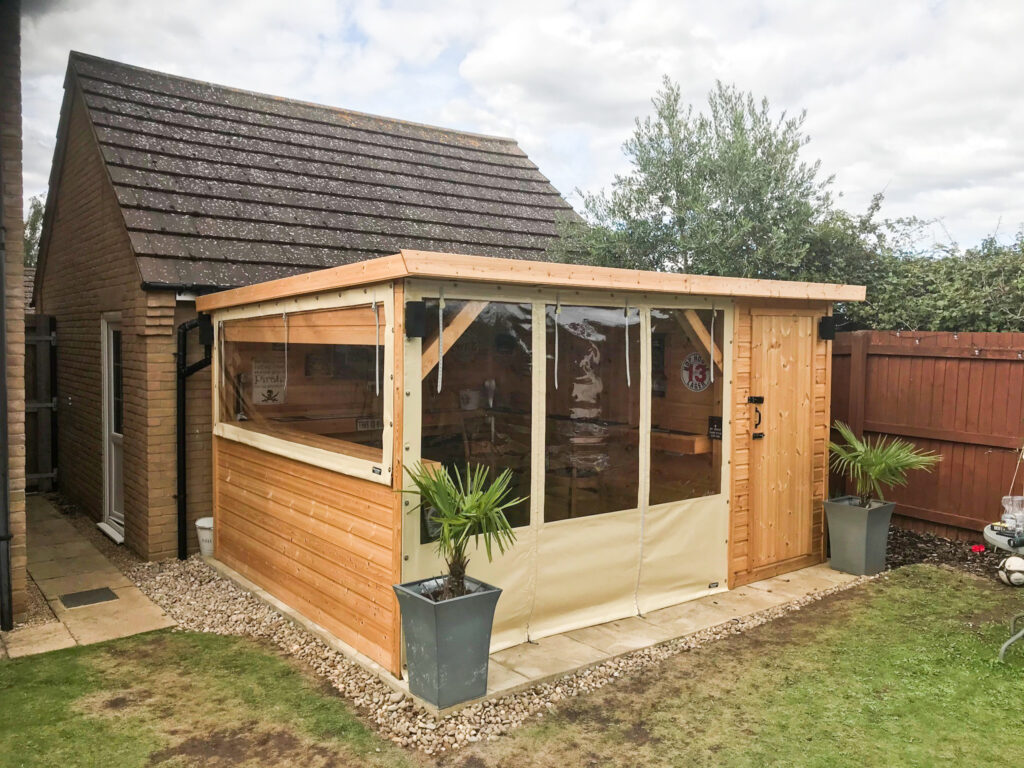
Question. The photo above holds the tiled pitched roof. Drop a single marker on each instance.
(221, 187)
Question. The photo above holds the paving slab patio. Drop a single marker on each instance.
(39, 638)
(60, 561)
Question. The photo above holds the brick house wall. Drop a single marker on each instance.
(88, 271)
(10, 154)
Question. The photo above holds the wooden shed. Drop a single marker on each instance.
(669, 430)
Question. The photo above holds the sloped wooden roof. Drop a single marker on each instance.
(221, 187)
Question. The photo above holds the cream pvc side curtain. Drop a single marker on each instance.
(592, 452)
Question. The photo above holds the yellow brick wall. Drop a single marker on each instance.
(10, 154)
(89, 270)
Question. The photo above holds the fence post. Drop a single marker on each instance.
(859, 342)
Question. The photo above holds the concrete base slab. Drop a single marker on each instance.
(61, 585)
(695, 615)
(501, 678)
(548, 657)
(63, 550)
(622, 636)
(60, 561)
(37, 639)
(92, 562)
(131, 614)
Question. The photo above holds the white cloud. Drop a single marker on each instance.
(920, 99)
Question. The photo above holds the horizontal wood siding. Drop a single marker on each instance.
(320, 541)
(958, 394)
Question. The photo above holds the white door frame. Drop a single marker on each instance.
(112, 527)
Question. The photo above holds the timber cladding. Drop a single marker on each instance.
(777, 525)
(960, 395)
(320, 541)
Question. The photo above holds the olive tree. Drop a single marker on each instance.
(723, 191)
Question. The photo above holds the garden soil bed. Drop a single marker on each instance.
(908, 548)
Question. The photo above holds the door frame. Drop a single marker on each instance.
(801, 559)
(109, 321)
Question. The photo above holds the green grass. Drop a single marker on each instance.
(176, 699)
(901, 672)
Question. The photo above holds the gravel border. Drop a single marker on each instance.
(38, 612)
(198, 598)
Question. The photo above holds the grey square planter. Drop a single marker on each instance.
(857, 536)
(447, 644)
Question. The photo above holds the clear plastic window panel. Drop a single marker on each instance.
(314, 378)
(477, 393)
(592, 422)
(686, 404)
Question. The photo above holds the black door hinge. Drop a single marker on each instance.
(757, 436)
(756, 400)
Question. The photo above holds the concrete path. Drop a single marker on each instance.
(63, 562)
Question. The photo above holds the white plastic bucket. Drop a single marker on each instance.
(204, 528)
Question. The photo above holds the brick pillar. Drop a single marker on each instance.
(10, 153)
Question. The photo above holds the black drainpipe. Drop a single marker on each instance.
(184, 371)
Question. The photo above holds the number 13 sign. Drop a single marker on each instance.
(694, 373)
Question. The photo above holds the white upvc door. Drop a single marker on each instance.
(113, 427)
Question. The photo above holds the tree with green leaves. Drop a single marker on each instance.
(724, 191)
(33, 229)
(980, 289)
(721, 192)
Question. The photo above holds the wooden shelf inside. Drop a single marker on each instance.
(676, 442)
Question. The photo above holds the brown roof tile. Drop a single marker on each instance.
(221, 187)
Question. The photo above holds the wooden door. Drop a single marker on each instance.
(782, 455)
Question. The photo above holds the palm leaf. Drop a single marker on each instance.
(876, 464)
(465, 507)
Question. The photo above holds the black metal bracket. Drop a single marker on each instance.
(415, 319)
(757, 436)
(827, 328)
(756, 400)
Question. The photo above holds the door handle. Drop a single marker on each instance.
(757, 412)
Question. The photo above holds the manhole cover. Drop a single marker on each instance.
(88, 597)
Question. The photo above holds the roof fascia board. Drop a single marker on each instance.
(318, 281)
(448, 266)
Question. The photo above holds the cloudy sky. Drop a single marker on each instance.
(921, 100)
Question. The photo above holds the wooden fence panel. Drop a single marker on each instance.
(958, 394)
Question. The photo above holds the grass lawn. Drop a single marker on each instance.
(900, 672)
(177, 699)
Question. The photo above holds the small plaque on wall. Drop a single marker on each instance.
(714, 427)
(268, 380)
(694, 372)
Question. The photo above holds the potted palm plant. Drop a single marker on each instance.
(858, 525)
(447, 619)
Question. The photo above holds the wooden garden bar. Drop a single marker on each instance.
(670, 432)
